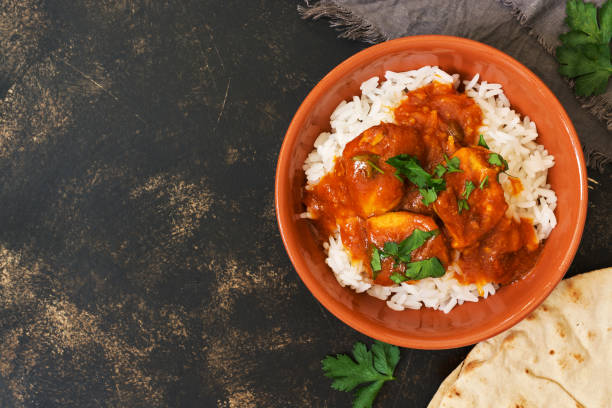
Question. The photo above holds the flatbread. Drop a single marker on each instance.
(558, 356)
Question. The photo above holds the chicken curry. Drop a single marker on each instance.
(414, 196)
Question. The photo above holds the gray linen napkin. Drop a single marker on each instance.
(527, 30)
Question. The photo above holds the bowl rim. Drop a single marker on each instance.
(291, 243)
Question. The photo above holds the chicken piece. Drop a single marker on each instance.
(500, 255)
(371, 182)
(482, 208)
(397, 226)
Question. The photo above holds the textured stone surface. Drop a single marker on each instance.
(140, 263)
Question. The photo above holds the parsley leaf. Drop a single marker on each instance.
(462, 204)
(386, 357)
(427, 268)
(497, 160)
(374, 367)
(390, 249)
(484, 182)
(398, 278)
(469, 187)
(375, 262)
(481, 142)
(409, 166)
(429, 195)
(424, 269)
(585, 50)
(439, 170)
(452, 165)
(414, 241)
(401, 252)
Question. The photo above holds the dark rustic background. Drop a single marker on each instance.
(140, 262)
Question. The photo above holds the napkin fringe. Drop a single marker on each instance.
(350, 25)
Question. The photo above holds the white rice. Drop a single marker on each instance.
(505, 133)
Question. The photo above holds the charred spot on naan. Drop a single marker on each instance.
(472, 365)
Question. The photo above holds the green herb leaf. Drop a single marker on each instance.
(439, 170)
(375, 167)
(481, 142)
(398, 278)
(390, 248)
(415, 240)
(469, 187)
(369, 367)
(364, 397)
(386, 357)
(429, 195)
(484, 182)
(424, 269)
(585, 50)
(583, 17)
(452, 165)
(497, 160)
(462, 204)
(375, 262)
(409, 166)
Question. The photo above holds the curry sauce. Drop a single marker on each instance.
(377, 208)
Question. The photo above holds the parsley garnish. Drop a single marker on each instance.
(375, 262)
(373, 368)
(402, 252)
(469, 187)
(439, 170)
(417, 270)
(481, 142)
(409, 167)
(426, 268)
(429, 195)
(462, 204)
(414, 241)
(390, 249)
(484, 182)
(452, 165)
(497, 160)
(398, 278)
(585, 50)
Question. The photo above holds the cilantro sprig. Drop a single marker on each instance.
(452, 165)
(373, 368)
(497, 160)
(427, 268)
(409, 167)
(402, 254)
(585, 50)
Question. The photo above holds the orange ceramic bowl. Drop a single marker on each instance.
(470, 322)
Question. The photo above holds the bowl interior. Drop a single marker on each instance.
(470, 322)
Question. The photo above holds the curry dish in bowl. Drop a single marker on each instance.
(425, 211)
(543, 183)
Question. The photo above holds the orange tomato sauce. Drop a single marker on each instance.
(363, 198)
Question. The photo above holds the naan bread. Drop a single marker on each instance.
(558, 356)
